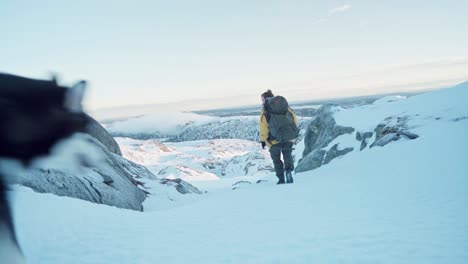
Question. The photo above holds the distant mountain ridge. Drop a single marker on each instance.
(240, 127)
(228, 123)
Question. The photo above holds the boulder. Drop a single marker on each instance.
(312, 161)
(334, 152)
(181, 186)
(100, 133)
(392, 129)
(320, 132)
(87, 170)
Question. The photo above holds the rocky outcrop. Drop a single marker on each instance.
(320, 132)
(392, 129)
(323, 130)
(334, 152)
(93, 173)
(363, 138)
(181, 186)
(100, 133)
(108, 179)
(312, 161)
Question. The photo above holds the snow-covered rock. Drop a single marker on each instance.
(363, 138)
(181, 186)
(387, 120)
(320, 132)
(83, 168)
(392, 129)
(97, 131)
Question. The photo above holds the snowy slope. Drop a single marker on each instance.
(401, 203)
(411, 114)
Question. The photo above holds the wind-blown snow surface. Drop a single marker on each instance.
(402, 203)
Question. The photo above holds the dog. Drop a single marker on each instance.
(34, 115)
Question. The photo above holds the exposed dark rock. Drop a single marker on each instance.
(358, 136)
(364, 138)
(392, 129)
(408, 134)
(247, 167)
(210, 165)
(181, 186)
(334, 153)
(385, 139)
(460, 118)
(239, 184)
(312, 161)
(320, 132)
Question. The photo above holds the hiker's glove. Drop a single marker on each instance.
(263, 145)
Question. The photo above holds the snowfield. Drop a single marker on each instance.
(405, 202)
(199, 160)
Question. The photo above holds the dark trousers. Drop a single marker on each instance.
(275, 153)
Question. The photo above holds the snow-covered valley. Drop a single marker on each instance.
(398, 199)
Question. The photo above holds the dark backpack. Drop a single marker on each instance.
(280, 120)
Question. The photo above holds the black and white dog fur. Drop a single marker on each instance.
(34, 115)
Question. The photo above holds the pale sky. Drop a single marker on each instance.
(226, 53)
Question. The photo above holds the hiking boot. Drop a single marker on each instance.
(280, 181)
(289, 178)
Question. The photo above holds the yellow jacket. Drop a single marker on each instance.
(265, 130)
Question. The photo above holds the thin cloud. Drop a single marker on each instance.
(332, 12)
(339, 9)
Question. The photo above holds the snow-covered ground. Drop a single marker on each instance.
(208, 164)
(405, 202)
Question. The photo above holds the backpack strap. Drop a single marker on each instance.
(266, 113)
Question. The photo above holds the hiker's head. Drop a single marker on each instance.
(266, 95)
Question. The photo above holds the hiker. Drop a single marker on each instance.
(279, 130)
